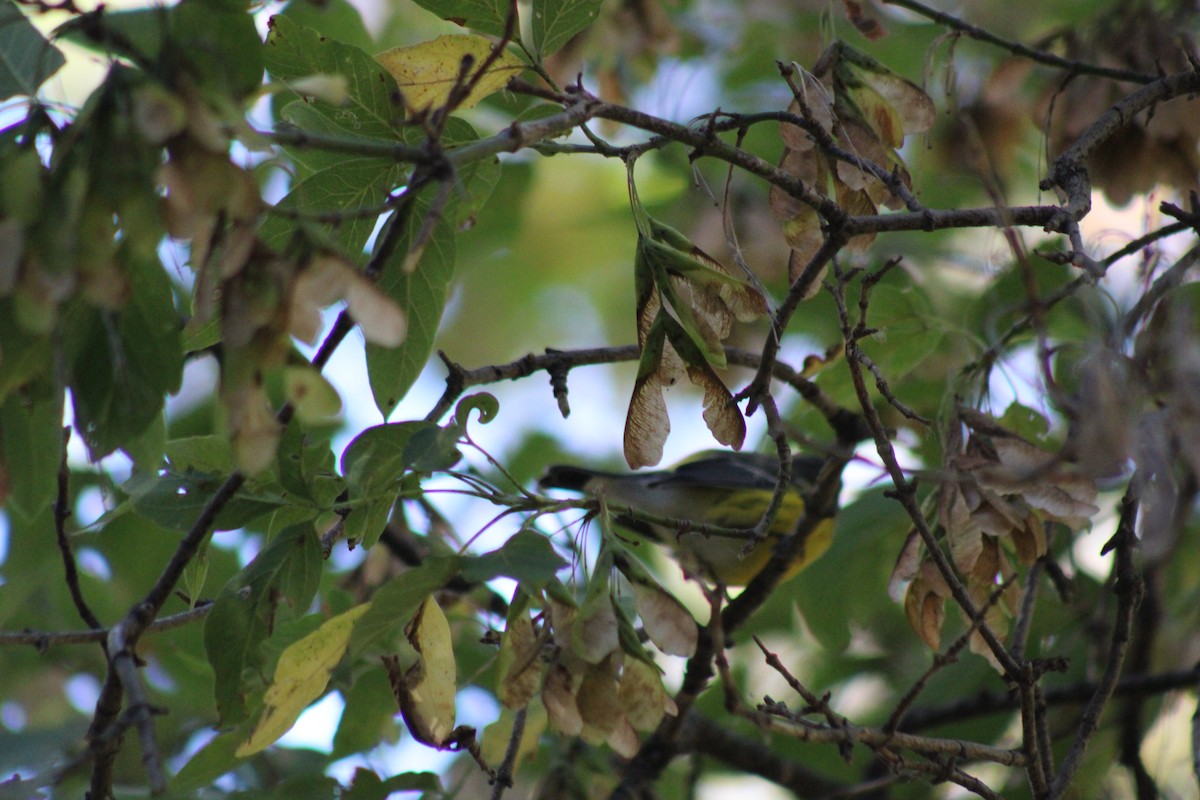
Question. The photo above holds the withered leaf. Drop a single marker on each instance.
(924, 604)
(905, 569)
(598, 699)
(642, 696)
(558, 696)
(427, 692)
(668, 624)
(518, 664)
(646, 422)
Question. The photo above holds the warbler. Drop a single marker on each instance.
(714, 487)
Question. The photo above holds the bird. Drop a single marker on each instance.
(716, 488)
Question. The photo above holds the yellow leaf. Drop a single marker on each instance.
(429, 688)
(427, 73)
(300, 677)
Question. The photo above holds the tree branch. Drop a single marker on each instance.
(1018, 49)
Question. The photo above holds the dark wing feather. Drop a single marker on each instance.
(724, 470)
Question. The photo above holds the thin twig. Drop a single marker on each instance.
(62, 512)
(1129, 590)
(1016, 48)
(504, 775)
(45, 639)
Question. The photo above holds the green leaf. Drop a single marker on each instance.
(373, 464)
(301, 675)
(421, 292)
(485, 403)
(485, 16)
(175, 499)
(421, 289)
(395, 603)
(908, 330)
(24, 355)
(31, 447)
(306, 467)
(209, 453)
(214, 760)
(372, 108)
(136, 35)
(595, 631)
(125, 362)
(368, 715)
(335, 19)
(1025, 422)
(367, 785)
(556, 21)
(221, 43)
(377, 457)
(830, 592)
(244, 613)
(527, 557)
(350, 184)
(26, 58)
(214, 42)
(433, 449)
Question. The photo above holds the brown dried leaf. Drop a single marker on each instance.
(856, 203)
(558, 696)
(646, 423)
(711, 319)
(962, 531)
(926, 612)
(866, 24)
(642, 696)
(909, 102)
(906, 566)
(1030, 539)
(879, 115)
(996, 515)
(518, 664)
(595, 633)
(1068, 500)
(668, 624)
(987, 564)
(721, 412)
(819, 104)
(800, 222)
(623, 739)
(598, 698)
